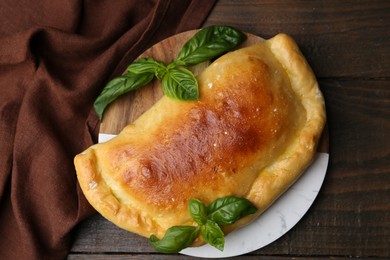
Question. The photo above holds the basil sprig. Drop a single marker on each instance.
(209, 220)
(177, 82)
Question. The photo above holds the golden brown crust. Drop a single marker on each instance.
(251, 134)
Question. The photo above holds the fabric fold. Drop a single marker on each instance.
(55, 58)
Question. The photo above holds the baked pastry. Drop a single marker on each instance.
(251, 134)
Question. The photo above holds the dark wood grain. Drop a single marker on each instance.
(348, 45)
(339, 38)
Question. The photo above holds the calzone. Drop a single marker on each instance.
(251, 134)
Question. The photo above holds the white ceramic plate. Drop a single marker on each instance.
(276, 221)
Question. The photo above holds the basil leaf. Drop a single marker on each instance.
(175, 239)
(209, 43)
(212, 234)
(227, 210)
(119, 86)
(198, 211)
(147, 65)
(180, 84)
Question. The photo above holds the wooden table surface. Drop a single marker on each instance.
(347, 44)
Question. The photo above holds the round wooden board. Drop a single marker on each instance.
(127, 108)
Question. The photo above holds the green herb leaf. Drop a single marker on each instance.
(212, 234)
(222, 211)
(209, 43)
(180, 84)
(198, 211)
(145, 65)
(118, 86)
(229, 209)
(176, 238)
(177, 82)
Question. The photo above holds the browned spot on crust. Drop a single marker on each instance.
(199, 149)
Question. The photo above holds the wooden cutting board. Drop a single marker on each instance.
(130, 106)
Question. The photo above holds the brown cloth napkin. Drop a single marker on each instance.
(55, 58)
